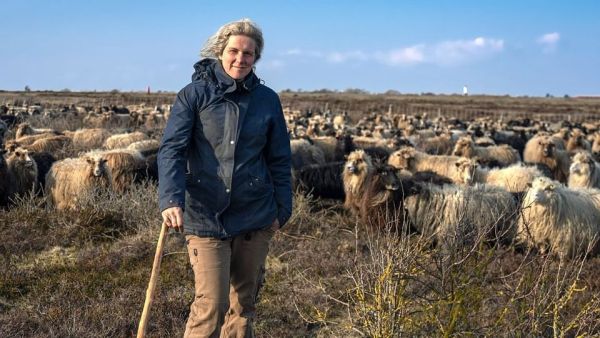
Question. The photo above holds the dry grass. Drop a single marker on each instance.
(85, 273)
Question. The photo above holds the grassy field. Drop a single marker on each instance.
(85, 273)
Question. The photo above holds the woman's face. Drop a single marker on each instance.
(238, 56)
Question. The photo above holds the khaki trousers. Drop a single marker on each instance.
(228, 275)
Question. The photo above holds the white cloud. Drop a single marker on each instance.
(549, 41)
(460, 51)
(443, 53)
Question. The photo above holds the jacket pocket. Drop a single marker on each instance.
(259, 186)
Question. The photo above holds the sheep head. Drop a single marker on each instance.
(583, 164)
(547, 146)
(466, 168)
(464, 147)
(358, 163)
(96, 165)
(542, 190)
(20, 158)
(401, 158)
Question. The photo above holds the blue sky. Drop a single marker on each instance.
(493, 47)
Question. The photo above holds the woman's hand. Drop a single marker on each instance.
(173, 218)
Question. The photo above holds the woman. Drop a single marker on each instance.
(225, 179)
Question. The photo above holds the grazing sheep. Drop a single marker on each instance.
(125, 166)
(584, 172)
(24, 129)
(436, 145)
(305, 153)
(334, 148)
(503, 155)
(357, 171)
(560, 220)
(515, 178)
(53, 144)
(381, 205)
(89, 138)
(29, 139)
(546, 150)
(577, 142)
(321, 180)
(73, 178)
(124, 140)
(23, 171)
(414, 161)
(145, 147)
(456, 215)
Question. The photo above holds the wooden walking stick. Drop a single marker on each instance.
(153, 279)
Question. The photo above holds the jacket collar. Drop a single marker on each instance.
(212, 70)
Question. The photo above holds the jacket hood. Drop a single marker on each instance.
(211, 70)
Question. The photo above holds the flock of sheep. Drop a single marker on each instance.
(513, 182)
(68, 166)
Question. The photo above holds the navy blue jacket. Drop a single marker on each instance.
(225, 155)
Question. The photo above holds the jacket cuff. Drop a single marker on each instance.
(170, 203)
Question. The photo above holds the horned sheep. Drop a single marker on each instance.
(560, 220)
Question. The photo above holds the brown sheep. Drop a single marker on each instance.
(577, 142)
(23, 171)
(89, 138)
(29, 139)
(415, 161)
(381, 205)
(584, 172)
(503, 155)
(357, 171)
(124, 140)
(54, 144)
(24, 129)
(546, 150)
(71, 179)
(145, 147)
(125, 166)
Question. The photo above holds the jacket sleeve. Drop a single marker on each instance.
(279, 159)
(172, 154)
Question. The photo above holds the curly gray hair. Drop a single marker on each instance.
(214, 46)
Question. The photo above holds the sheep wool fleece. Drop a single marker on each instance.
(225, 155)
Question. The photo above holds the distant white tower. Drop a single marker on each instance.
(465, 90)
